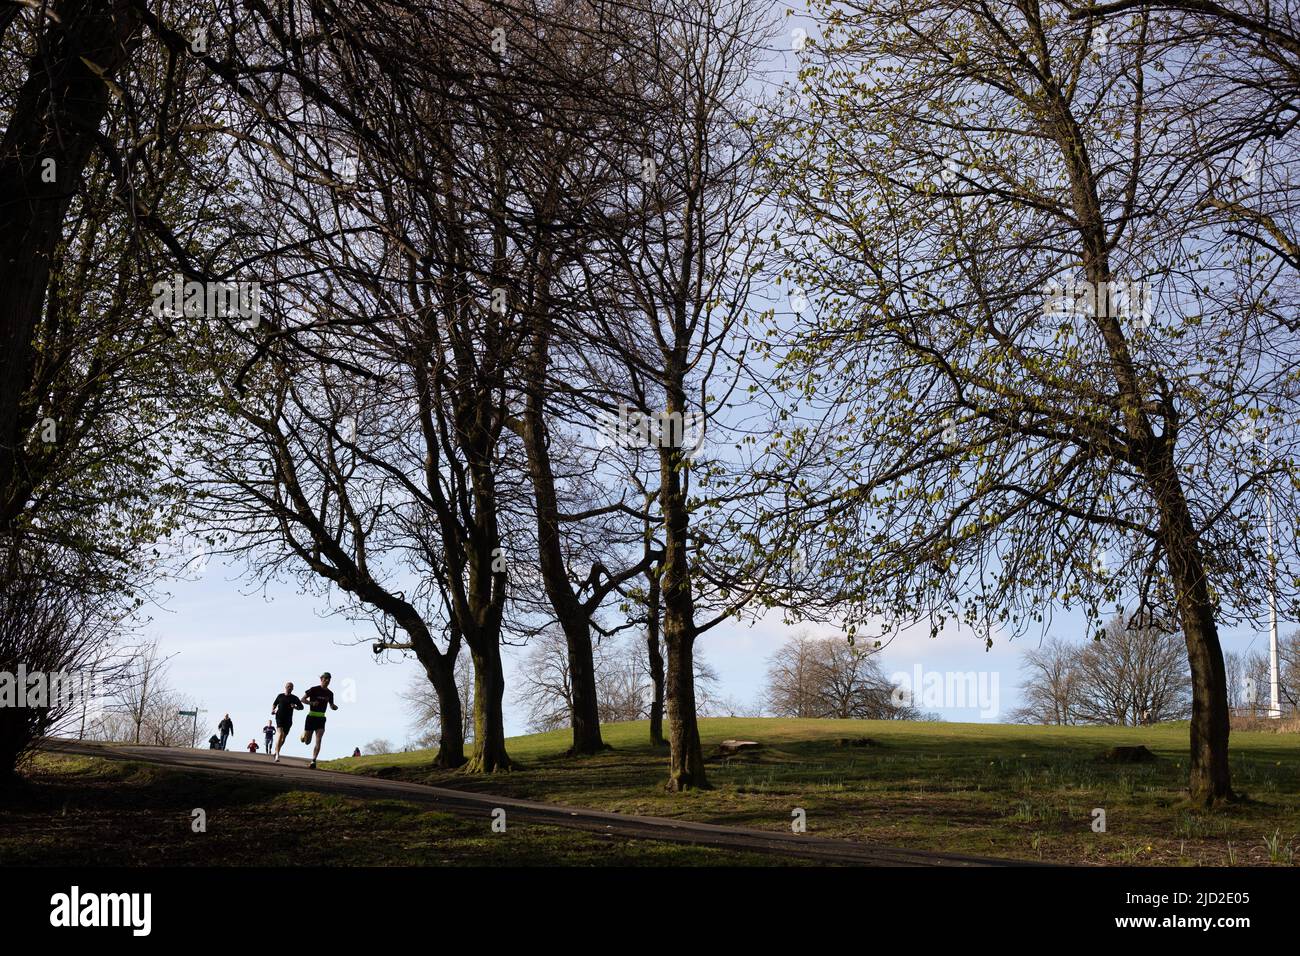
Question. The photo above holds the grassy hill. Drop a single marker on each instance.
(937, 736)
(994, 789)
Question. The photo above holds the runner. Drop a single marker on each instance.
(226, 728)
(317, 699)
(269, 733)
(252, 746)
(282, 708)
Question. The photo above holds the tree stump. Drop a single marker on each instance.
(728, 747)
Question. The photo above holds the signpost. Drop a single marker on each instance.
(194, 734)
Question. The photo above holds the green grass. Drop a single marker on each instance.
(80, 811)
(1000, 790)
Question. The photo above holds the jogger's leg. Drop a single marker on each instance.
(320, 735)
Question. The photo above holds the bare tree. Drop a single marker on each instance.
(161, 723)
(831, 678)
(624, 685)
(1249, 678)
(139, 704)
(52, 630)
(545, 684)
(424, 707)
(1132, 676)
(680, 281)
(432, 274)
(141, 688)
(730, 706)
(1049, 688)
(792, 679)
(1240, 693)
(575, 173)
(1289, 679)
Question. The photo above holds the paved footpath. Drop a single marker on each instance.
(293, 772)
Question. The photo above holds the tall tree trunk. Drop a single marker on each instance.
(451, 727)
(451, 722)
(1210, 778)
(685, 758)
(584, 704)
(655, 657)
(439, 667)
(489, 718)
(55, 116)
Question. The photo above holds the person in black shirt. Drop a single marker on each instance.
(317, 699)
(282, 709)
(225, 728)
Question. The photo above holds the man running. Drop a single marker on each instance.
(269, 733)
(225, 728)
(317, 699)
(283, 707)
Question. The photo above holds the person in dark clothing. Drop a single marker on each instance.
(282, 709)
(225, 728)
(214, 742)
(356, 751)
(317, 699)
(269, 733)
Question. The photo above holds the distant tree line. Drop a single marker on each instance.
(1132, 676)
(1128, 676)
